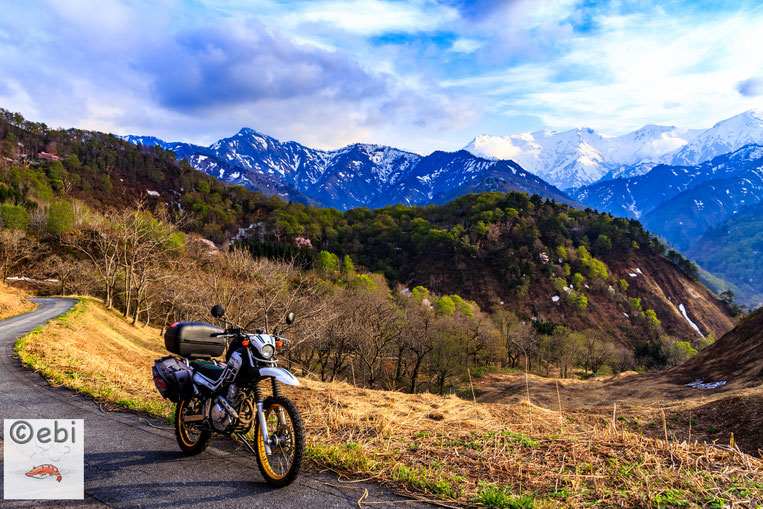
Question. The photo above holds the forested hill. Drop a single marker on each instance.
(541, 259)
(39, 165)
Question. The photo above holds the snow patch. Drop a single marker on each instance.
(699, 384)
(152, 193)
(694, 325)
(631, 274)
(555, 298)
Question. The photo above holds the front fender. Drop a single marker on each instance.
(279, 374)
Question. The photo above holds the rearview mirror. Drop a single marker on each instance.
(218, 311)
(290, 318)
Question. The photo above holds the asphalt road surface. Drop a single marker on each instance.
(134, 461)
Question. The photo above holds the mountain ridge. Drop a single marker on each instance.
(583, 156)
(358, 175)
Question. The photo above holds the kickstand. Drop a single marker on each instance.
(246, 443)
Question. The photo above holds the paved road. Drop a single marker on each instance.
(132, 461)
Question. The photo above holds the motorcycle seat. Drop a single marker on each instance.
(208, 369)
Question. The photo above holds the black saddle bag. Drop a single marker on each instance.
(172, 378)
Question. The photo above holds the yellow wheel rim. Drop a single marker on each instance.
(181, 429)
(276, 427)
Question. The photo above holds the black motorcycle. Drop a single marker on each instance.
(215, 397)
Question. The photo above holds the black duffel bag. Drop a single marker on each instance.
(172, 378)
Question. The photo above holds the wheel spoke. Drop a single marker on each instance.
(281, 456)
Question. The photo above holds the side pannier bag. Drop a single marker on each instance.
(172, 378)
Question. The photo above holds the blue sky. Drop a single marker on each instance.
(419, 75)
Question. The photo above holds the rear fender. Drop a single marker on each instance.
(279, 374)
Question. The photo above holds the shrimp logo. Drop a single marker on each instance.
(43, 459)
(45, 471)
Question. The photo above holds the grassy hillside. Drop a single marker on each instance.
(732, 411)
(439, 448)
(13, 302)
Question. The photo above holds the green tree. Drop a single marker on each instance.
(602, 244)
(420, 293)
(327, 263)
(60, 217)
(577, 280)
(462, 306)
(348, 269)
(363, 281)
(202, 186)
(15, 217)
(578, 300)
(105, 182)
(445, 306)
(651, 318)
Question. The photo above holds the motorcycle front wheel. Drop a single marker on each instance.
(287, 442)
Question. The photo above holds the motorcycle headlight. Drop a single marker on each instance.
(267, 351)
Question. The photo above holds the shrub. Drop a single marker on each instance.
(15, 217)
(60, 217)
(651, 318)
(327, 263)
(445, 306)
(578, 300)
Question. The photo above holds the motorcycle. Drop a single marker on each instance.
(226, 398)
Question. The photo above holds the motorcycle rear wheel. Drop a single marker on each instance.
(190, 438)
(287, 445)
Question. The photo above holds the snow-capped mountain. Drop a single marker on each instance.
(583, 156)
(637, 196)
(725, 136)
(355, 176)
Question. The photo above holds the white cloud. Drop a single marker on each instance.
(637, 70)
(466, 45)
(374, 17)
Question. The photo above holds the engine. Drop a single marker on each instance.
(233, 411)
(219, 416)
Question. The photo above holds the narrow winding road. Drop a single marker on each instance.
(133, 461)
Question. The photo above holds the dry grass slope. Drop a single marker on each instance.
(734, 409)
(13, 302)
(443, 448)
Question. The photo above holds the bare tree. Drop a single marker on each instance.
(448, 355)
(375, 326)
(15, 248)
(596, 350)
(101, 243)
(73, 275)
(417, 336)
